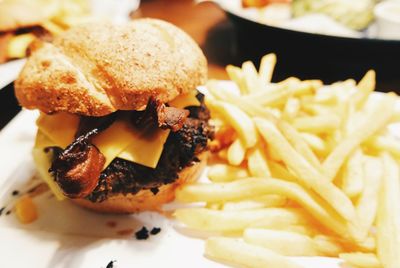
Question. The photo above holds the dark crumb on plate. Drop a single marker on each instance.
(142, 234)
(1, 210)
(15, 192)
(125, 232)
(8, 212)
(155, 230)
(154, 190)
(111, 224)
(110, 264)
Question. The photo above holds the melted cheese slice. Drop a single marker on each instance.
(119, 140)
(123, 140)
(59, 127)
(43, 163)
(186, 100)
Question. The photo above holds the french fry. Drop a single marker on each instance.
(327, 246)
(251, 187)
(298, 143)
(237, 220)
(257, 163)
(306, 173)
(275, 112)
(317, 144)
(26, 210)
(384, 143)
(396, 115)
(380, 115)
(280, 172)
(367, 203)
(267, 66)
(250, 77)
(317, 124)
(213, 206)
(388, 217)
(225, 135)
(365, 87)
(18, 45)
(223, 154)
(272, 155)
(236, 153)
(239, 120)
(258, 202)
(358, 259)
(325, 95)
(273, 97)
(292, 243)
(291, 109)
(314, 109)
(305, 87)
(353, 175)
(52, 27)
(236, 75)
(224, 173)
(282, 242)
(252, 109)
(237, 252)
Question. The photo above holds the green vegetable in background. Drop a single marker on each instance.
(355, 14)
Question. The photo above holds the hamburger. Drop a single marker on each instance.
(122, 124)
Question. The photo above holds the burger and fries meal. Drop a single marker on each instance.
(297, 168)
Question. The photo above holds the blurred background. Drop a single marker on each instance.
(326, 39)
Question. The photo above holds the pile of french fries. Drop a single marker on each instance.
(300, 169)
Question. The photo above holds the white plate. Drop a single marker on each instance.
(9, 71)
(66, 236)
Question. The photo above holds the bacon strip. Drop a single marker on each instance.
(159, 115)
(77, 169)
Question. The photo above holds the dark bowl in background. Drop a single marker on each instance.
(308, 55)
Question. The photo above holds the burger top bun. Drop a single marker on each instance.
(94, 70)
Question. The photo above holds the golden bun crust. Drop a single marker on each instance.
(19, 14)
(95, 70)
(145, 200)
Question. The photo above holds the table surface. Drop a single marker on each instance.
(205, 23)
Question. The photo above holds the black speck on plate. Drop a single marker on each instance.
(155, 230)
(142, 234)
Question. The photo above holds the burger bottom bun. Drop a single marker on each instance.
(145, 199)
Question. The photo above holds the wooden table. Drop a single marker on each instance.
(205, 22)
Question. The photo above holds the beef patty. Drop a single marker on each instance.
(189, 134)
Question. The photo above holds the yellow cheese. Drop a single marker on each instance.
(121, 139)
(59, 127)
(126, 142)
(147, 148)
(186, 100)
(43, 163)
(42, 141)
